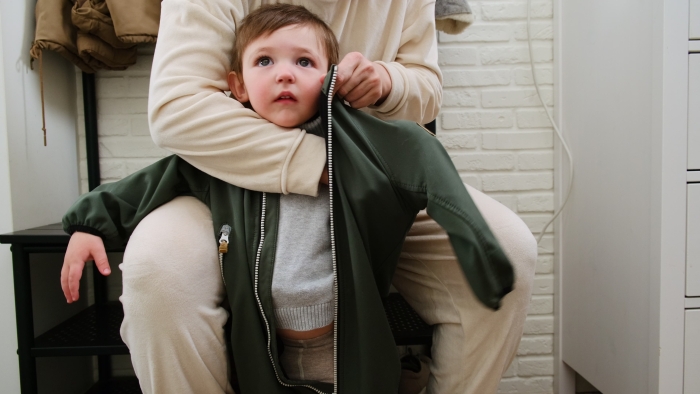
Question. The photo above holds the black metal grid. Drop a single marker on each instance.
(407, 327)
(122, 385)
(93, 331)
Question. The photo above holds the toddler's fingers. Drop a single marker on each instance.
(100, 257)
(64, 283)
(74, 282)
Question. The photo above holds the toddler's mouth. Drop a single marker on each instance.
(286, 96)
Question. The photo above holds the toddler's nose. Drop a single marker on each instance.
(285, 74)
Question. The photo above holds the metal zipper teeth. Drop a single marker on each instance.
(257, 298)
(329, 156)
(221, 265)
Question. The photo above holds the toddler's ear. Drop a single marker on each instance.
(237, 88)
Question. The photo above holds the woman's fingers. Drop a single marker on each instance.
(361, 82)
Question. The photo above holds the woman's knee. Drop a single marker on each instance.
(512, 233)
(170, 260)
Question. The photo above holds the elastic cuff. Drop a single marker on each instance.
(397, 89)
(84, 229)
(306, 166)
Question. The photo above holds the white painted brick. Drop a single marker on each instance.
(79, 92)
(497, 11)
(481, 32)
(517, 139)
(479, 161)
(543, 73)
(84, 186)
(132, 147)
(469, 78)
(539, 325)
(133, 165)
(515, 54)
(512, 370)
(457, 56)
(477, 120)
(82, 151)
(509, 200)
(541, 344)
(515, 98)
(536, 385)
(536, 160)
(139, 125)
(138, 86)
(459, 140)
(460, 98)
(110, 88)
(142, 68)
(533, 118)
(541, 305)
(122, 106)
(544, 284)
(112, 168)
(536, 203)
(536, 222)
(545, 264)
(81, 126)
(471, 180)
(546, 245)
(113, 125)
(516, 181)
(538, 31)
(108, 180)
(535, 366)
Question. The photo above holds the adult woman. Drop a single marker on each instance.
(172, 287)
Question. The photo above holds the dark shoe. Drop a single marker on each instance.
(415, 370)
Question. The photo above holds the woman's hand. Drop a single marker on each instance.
(361, 82)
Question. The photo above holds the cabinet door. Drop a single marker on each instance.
(691, 369)
(694, 111)
(694, 30)
(692, 262)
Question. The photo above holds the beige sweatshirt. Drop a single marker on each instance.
(190, 115)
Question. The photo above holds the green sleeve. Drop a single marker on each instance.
(112, 211)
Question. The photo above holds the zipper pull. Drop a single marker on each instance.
(223, 240)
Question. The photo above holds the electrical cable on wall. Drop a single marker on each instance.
(556, 129)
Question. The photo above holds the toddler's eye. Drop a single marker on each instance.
(304, 62)
(264, 61)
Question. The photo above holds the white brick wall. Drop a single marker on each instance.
(491, 123)
(502, 143)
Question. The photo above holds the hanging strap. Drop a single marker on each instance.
(41, 84)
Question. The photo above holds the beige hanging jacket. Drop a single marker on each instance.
(95, 34)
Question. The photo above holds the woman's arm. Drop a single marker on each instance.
(416, 80)
(190, 115)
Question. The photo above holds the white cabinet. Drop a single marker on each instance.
(691, 381)
(694, 30)
(625, 74)
(694, 111)
(692, 272)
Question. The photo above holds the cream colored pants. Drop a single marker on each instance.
(173, 319)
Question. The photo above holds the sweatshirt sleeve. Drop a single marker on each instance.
(191, 116)
(112, 211)
(416, 92)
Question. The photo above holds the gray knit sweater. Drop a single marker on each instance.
(302, 280)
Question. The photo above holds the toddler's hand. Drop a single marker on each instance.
(362, 82)
(82, 247)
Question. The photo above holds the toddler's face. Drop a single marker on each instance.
(282, 75)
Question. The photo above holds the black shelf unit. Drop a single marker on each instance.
(93, 331)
